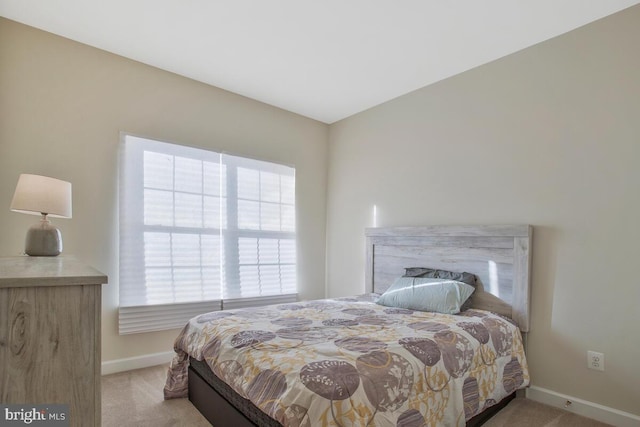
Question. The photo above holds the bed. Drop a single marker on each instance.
(352, 362)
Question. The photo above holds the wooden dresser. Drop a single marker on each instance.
(50, 309)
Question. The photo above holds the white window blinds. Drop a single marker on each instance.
(200, 230)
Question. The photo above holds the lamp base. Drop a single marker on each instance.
(43, 239)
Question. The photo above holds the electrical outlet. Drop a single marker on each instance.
(595, 360)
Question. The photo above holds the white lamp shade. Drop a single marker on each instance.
(37, 194)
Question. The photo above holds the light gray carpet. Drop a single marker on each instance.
(135, 399)
(527, 413)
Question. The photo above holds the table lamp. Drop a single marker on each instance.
(41, 195)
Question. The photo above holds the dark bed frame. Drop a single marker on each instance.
(498, 255)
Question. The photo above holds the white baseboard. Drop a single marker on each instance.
(585, 408)
(138, 362)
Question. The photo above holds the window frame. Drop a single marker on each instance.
(137, 317)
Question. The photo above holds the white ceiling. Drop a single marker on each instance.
(324, 59)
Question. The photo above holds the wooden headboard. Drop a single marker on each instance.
(499, 256)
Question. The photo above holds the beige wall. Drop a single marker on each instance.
(62, 106)
(549, 136)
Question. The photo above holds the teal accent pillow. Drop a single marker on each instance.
(427, 294)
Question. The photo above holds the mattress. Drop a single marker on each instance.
(349, 361)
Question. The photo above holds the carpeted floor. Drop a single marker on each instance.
(527, 413)
(135, 399)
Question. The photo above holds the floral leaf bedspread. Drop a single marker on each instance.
(351, 362)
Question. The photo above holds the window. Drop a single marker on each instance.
(200, 231)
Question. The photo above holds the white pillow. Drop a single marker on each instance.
(427, 294)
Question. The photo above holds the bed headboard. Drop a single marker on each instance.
(499, 256)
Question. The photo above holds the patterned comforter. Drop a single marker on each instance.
(351, 362)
